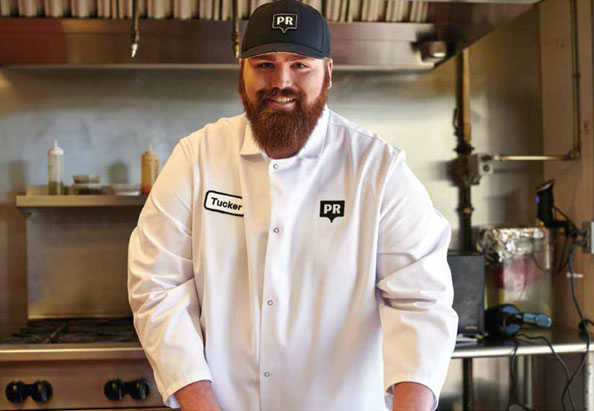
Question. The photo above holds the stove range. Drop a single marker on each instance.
(76, 364)
(82, 330)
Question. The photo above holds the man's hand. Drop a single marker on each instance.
(411, 396)
(197, 396)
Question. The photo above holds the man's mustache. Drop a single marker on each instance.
(276, 92)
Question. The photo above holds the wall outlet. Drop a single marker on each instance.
(588, 245)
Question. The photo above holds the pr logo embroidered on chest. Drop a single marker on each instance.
(284, 22)
(223, 203)
(332, 209)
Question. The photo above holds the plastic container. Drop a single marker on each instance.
(55, 170)
(149, 170)
(518, 268)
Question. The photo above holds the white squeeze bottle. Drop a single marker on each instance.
(55, 170)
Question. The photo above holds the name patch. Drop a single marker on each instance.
(331, 209)
(284, 22)
(223, 203)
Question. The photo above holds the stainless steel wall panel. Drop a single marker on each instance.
(77, 261)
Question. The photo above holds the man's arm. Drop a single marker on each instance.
(418, 323)
(161, 284)
(197, 396)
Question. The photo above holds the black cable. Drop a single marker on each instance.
(582, 321)
(562, 258)
(560, 360)
(569, 220)
(583, 327)
(512, 373)
(574, 233)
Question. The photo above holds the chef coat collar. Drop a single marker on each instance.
(312, 149)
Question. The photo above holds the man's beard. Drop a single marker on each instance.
(281, 131)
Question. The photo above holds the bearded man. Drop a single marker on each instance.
(286, 258)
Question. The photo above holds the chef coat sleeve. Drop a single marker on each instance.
(161, 287)
(415, 285)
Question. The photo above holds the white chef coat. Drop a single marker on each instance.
(243, 271)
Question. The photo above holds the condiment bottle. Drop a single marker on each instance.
(55, 170)
(149, 170)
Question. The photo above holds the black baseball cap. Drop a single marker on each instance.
(289, 26)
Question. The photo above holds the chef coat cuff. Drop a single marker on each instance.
(169, 398)
(389, 390)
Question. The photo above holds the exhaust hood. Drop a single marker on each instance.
(366, 34)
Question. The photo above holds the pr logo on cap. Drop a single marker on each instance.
(284, 22)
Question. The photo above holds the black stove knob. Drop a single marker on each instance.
(41, 391)
(138, 389)
(16, 391)
(114, 390)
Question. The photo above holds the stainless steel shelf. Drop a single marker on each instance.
(40, 201)
(42, 42)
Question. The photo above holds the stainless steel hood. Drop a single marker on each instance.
(446, 27)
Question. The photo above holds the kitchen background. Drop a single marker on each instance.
(105, 118)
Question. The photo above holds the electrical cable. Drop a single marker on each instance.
(563, 260)
(559, 359)
(587, 322)
(572, 234)
(512, 373)
(573, 226)
(582, 321)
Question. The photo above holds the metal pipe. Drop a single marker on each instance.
(468, 389)
(589, 382)
(575, 153)
(135, 30)
(464, 148)
(528, 397)
(463, 103)
(514, 157)
(235, 33)
(465, 210)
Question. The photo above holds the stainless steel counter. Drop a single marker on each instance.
(564, 340)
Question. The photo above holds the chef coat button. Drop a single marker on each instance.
(267, 374)
(275, 166)
(269, 302)
(276, 230)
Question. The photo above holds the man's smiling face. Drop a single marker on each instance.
(283, 95)
(285, 72)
